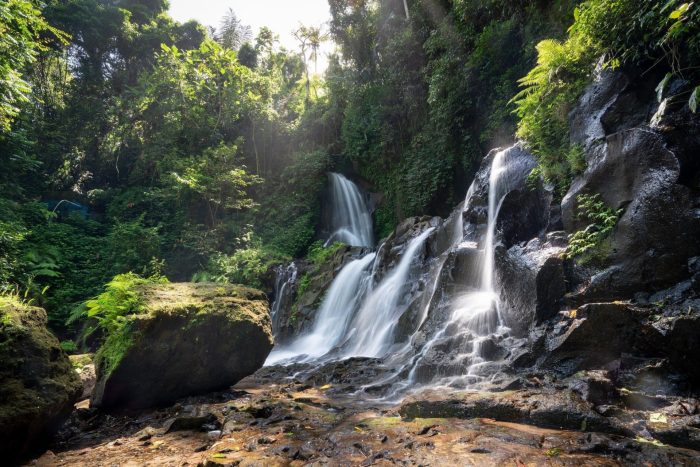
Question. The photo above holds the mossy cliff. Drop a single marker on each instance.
(38, 385)
(186, 339)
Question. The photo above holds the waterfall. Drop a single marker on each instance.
(285, 278)
(375, 322)
(351, 221)
(330, 326)
(475, 321)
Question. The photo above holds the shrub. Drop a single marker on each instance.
(602, 218)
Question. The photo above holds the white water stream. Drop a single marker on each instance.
(351, 219)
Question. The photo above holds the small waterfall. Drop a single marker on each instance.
(375, 322)
(351, 221)
(285, 278)
(330, 326)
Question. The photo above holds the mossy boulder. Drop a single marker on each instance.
(38, 385)
(189, 339)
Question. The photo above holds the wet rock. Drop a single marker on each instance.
(556, 409)
(642, 171)
(599, 334)
(682, 343)
(682, 432)
(531, 281)
(38, 385)
(594, 387)
(191, 339)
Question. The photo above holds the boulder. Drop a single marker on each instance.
(38, 385)
(531, 281)
(598, 334)
(190, 339)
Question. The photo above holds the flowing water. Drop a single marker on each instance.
(462, 346)
(330, 326)
(286, 277)
(351, 220)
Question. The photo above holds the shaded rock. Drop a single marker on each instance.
(86, 371)
(683, 432)
(190, 339)
(197, 420)
(594, 387)
(531, 281)
(38, 385)
(599, 334)
(682, 344)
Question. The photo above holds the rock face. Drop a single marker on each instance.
(38, 385)
(642, 167)
(531, 280)
(192, 338)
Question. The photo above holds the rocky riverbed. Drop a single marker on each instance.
(265, 420)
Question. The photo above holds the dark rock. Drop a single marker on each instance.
(682, 344)
(594, 387)
(682, 432)
(191, 339)
(599, 334)
(643, 171)
(556, 409)
(198, 420)
(531, 281)
(38, 385)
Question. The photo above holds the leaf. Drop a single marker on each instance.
(662, 86)
(324, 387)
(694, 98)
(680, 11)
(658, 418)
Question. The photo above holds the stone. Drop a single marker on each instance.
(85, 368)
(531, 281)
(647, 172)
(190, 339)
(599, 334)
(38, 385)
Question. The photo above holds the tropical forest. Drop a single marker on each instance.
(349, 232)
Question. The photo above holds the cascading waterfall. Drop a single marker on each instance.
(286, 276)
(459, 338)
(351, 219)
(474, 321)
(375, 322)
(330, 326)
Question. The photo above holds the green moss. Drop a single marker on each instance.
(114, 349)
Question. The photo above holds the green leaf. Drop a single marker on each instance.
(694, 98)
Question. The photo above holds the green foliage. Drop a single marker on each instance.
(602, 218)
(111, 309)
(644, 33)
(319, 254)
(21, 30)
(246, 266)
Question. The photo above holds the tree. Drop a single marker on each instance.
(310, 39)
(232, 33)
(21, 27)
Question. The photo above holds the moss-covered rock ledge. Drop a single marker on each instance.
(186, 339)
(38, 385)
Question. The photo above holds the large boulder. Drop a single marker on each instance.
(599, 334)
(531, 281)
(190, 339)
(38, 385)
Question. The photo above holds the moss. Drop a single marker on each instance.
(114, 349)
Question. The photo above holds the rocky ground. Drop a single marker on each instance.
(301, 421)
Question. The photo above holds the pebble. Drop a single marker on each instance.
(214, 434)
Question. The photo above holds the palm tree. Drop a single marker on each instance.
(310, 39)
(232, 32)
